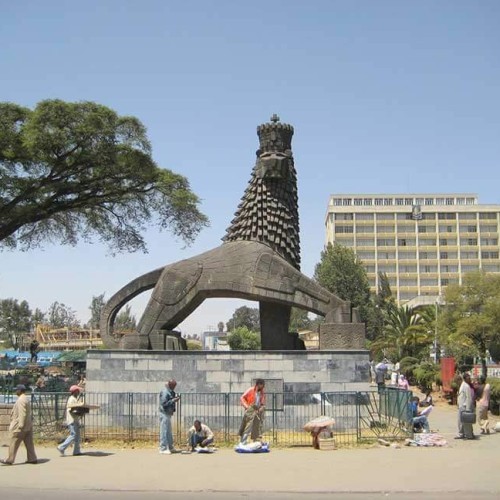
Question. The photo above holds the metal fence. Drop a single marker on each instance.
(359, 416)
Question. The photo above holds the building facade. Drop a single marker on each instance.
(423, 242)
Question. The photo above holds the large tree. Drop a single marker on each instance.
(78, 170)
(469, 322)
(96, 306)
(245, 316)
(15, 319)
(243, 339)
(342, 273)
(60, 315)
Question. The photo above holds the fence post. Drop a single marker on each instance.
(226, 417)
(130, 416)
(358, 416)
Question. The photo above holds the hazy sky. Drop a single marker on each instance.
(385, 97)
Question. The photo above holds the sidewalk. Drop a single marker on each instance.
(465, 466)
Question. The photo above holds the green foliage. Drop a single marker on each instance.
(495, 395)
(469, 322)
(96, 306)
(494, 350)
(340, 272)
(193, 345)
(15, 318)
(125, 321)
(407, 366)
(425, 375)
(299, 320)
(61, 316)
(407, 332)
(243, 339)
(245, 316)
(71, 171)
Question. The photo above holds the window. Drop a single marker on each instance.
(407, 268)
(367, 202)
(405, 216)
(419, 201)
(386, 255)
(489, 255)
(488, 229)
(449, 201)
(443, 255)
(428, 281)
(387, 201)
(489, 242)
(449, 269)
(492, 268)
(470, 201)
(443, 242)
(344, 229)
(370, 268)
(427, 255)
(471, 242)
(467, 216)
(446, 229)
(399, 201)
(403, 242)
(385, 242)
(379, 201)
(365, 242)
(445, 281)
(385, 229)
(337, 202)
(429, 216)
(446, 216)
(385, 216)
(469, 255)
(405, 255)
(408, 201)
(429, 201)
(428, 269)
(358, 201)
(487, 215)
(439, 201)
(364, 216)
(426, 229)
(364, 229)
(387, 268)
(345, 242)
(427, 242)
(346, 202)
(343, 216)
(460, 201)
(470, 267)
(408, 282)
(366, 255)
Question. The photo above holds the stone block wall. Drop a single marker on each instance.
(341, 336)
(116, 371)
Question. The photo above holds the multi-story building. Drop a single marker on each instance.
(423, 242)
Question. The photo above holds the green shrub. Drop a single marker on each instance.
(426, 374)
(407, 366)
(495, 395)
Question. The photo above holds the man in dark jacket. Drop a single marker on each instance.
(168, 398)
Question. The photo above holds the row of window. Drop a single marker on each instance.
(412, 242)
(342, 229)
(409, 216)
(368, 202)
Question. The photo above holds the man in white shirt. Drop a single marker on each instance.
(200, 435)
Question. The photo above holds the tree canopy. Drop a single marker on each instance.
(469, 322)
(71, 171)
(243, 339)
(248, 317)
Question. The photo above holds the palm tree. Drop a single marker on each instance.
(407, 330)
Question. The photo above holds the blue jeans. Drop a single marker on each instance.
(196, 440)
(166, 437)
(74, 437)
(423, 421)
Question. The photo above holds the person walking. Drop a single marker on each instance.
(484, 404)
(73, 416)
(253, 401)
(168, 398)
(21, 428)
(465, 403)
(200, 435)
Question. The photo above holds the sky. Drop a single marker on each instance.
(384, 96)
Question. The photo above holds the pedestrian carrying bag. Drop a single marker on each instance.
(468, 417)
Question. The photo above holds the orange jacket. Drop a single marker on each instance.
(248, 397)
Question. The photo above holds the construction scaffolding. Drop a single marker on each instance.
(66, 338)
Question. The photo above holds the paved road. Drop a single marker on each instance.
(463, 470)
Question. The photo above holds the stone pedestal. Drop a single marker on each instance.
(342, 336)
(4, 423)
